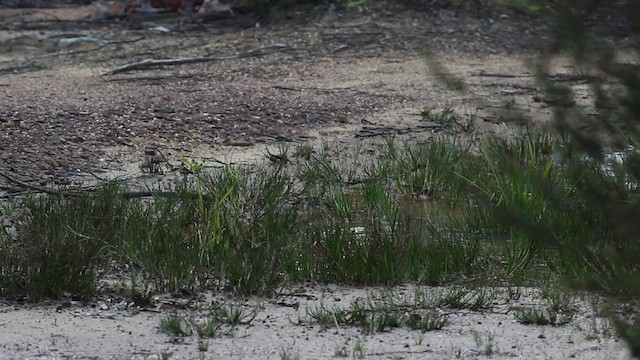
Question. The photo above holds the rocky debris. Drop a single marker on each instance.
(105, 9)
(40, 3)
(214, 6)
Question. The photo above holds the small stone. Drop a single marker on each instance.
(238, 142)
(122, 306)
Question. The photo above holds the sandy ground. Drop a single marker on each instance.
(343, 78)
(108, 330)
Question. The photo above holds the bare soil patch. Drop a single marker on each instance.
(117, 329)
(61, 117)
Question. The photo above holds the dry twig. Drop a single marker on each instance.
(150, 63)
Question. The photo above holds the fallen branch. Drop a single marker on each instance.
(329, 90)
(21, 185)
(102, 46)
(482, 73)
(556, 77)
(151, 64)
(371, 131)
(28, 186)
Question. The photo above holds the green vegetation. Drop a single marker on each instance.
(530, 316)
(485, 343)
(433, 213)
(176, 326)
(563, 201)
(595, 183)
(388, 311)
(286, 355)
(529, 5)
(217, 321)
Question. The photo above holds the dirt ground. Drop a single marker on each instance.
(327, 77)
(322, 77)
(109, 329)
